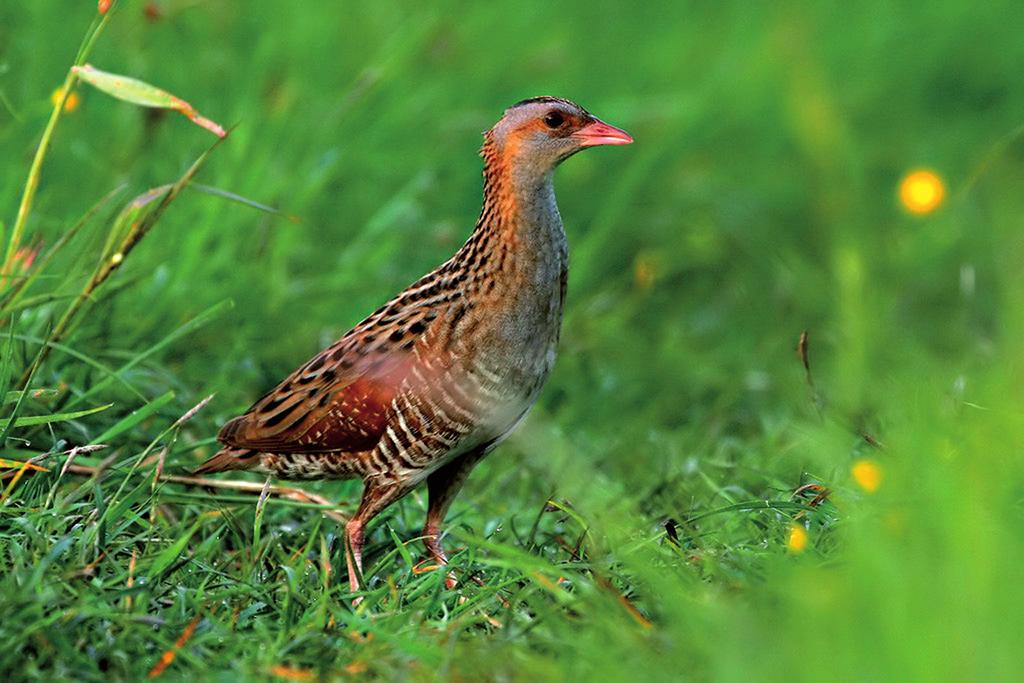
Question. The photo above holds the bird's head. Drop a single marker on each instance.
(537, 134)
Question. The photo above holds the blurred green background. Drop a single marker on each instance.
(761, 199)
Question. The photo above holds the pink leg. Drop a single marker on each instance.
(442, 487)
(376, 496)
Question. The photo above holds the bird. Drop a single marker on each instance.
(432, 381)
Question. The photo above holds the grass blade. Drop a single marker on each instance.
(190, 326)
(13, 396)
(144, 95)
(132, 214)
(21, 285)
(244, 201)
(171, 553)
(135, 418)
(88, 360)
(107, 267)
(55, 417)
(26, 385)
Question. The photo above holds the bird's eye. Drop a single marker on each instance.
(554, 119)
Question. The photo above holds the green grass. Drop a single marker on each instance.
(636, 526)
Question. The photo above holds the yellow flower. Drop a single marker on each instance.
(796, 542)
(867, 474)
(70, 104)
(922, 191)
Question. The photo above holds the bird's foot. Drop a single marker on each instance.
(430, 564)
(438, 555)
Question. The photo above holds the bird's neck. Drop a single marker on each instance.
(520, 230)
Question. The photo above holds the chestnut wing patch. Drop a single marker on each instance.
(326, 405)
(340, 400)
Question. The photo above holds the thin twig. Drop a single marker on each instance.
(632, 609)
(870, 440)
(72, 454)
(193, 410)
(168, 656)
(131, 577)
(287, 492)
(803, 350)
(14, 481)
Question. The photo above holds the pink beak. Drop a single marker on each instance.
(600, 133)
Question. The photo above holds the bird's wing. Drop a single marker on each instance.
(338, 401)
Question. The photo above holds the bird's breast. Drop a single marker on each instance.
(499, 338)
(515, 348)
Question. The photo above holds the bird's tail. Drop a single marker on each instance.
(230, 458)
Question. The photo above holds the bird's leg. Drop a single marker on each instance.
(354, 552)
(442, 486)
(377, 495)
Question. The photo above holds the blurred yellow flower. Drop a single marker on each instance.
(644, 271)
(70, 104)
(922, 191)
(291, 673)
(867, 474)
(355, 667)
(797, 540)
